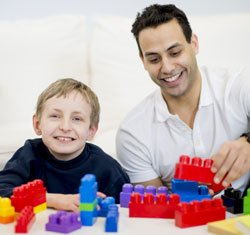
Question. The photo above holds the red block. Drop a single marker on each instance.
(148, 208)
(198, 213)
(30, 194)
(196, 171)
(25, 220)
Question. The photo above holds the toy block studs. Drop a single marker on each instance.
(199, 213)
(232, 200)
(7, 212)
(150, 208)
(25, 220)
(197, 171)
(63, 222)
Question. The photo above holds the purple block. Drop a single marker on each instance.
(151, 189)
(139, 188)
(63, 222)
(127, 189)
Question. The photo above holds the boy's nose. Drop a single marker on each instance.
(65, 125)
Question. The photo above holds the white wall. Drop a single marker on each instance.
(19, 9)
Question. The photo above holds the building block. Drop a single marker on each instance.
(88, 218)
(111, 224)
(246, 203)
(25, 220)
(104, 206)
(232, 200)
(149, 208)
(242, 227)
(189, 190)
(40, 208)
(63, 222)
(88, 189)
(196, 171)
(128, 189)
(228, 226)
(7, 212)
(88, 200)
(198, 213)
(30, 194)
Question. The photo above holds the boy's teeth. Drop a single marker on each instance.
(172, 78)
(64, 138)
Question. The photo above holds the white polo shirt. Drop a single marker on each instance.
(150, 140)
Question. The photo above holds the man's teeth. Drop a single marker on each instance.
(172, 78)
(64, 138)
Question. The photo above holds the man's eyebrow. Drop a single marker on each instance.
(177, 44)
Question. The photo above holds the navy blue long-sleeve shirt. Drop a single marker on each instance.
(34, 161)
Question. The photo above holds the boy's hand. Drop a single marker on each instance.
(68, 202)
(233, 158)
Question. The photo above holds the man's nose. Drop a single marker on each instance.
(167, 66)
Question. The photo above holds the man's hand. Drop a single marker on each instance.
(233, 159)
(68, 202)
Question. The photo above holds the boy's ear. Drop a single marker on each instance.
(92, 131)
(36, 125)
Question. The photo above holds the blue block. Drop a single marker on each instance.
(88, 189)
(104, 206)
(184, 186)
(88, 218)
(190, 190)
(112, 218)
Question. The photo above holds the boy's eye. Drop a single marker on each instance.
(77, 119)
(54, 116)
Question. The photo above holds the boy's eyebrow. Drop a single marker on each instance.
(177, 44)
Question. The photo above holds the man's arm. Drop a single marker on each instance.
(155, 182)
(233, 159)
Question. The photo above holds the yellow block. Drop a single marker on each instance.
(6, 210)
(227, 227)
(40, 207)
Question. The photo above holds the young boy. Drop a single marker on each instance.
(67, 116)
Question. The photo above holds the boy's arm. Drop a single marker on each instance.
(68, 202)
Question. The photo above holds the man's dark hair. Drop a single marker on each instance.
(156, 15)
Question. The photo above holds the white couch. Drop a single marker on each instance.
(102, 53)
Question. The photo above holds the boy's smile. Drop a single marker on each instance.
(65, 125)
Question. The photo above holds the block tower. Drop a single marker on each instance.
(88, 200)
(7, 212)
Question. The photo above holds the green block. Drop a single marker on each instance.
(246, 203)
(88, 206)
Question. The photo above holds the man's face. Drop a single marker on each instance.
(169, 59)
(65, 125)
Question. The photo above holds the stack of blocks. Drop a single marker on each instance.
(88, 200)
(150, 208)
(30, 194)
(189, 190)
(232, 200)
(196, 171)
(7, 212)
(198, 213)
(25, 220)
(246, 203)
(128, 189)
(104, 206)
(63, 222)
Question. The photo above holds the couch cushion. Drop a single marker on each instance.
(34, 53)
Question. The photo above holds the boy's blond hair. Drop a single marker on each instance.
(63, 87)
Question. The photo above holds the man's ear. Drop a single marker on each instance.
(195, 43)
(36, 125)
(92, 132)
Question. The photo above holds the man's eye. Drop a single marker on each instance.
(176, 53)
(153, 60)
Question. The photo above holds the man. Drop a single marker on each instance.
(196, 112)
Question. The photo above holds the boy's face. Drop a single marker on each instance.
(169, 59)
(65, 125)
